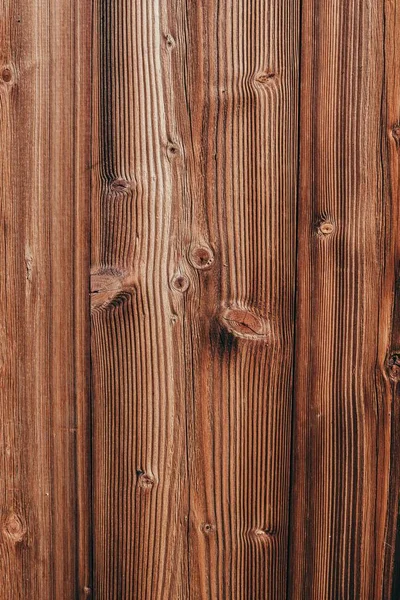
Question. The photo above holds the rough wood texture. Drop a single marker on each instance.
(193, 262)
(216, 416)
(346, 416)
(44, 155)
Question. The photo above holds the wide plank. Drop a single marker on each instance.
(195, 141)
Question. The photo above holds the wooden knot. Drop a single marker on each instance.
(244, 323)
(172, 150)
(201, 257)
(169, 41)
(208, 528)
(326, 228)
(14, 528)
(107, 284)
(263, 534)
(180, 283)
(87, 591)
(394, 366)
(145, 481)
(119, 186)
(6, 74)
(396, 133)
(265, 77)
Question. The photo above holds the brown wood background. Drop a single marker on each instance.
(215, 414)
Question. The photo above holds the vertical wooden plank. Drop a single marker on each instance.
(387, 581)
(237, 125)
(44, 153)
(139, 448)
(193, 259)
(345, 478)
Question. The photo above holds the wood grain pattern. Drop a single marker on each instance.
(199, 300)
(44, 335)
(345, 489)
(193, 258)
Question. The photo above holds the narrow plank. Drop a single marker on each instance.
(345, 479)
(140, 492)
(44, 401)
(193, 262)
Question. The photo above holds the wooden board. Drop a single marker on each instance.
(345, 474)
(44, 400)
(193, 264)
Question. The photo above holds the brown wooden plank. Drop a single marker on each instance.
(139, 454)
(345, 477)
(193, 259)
(44, 155)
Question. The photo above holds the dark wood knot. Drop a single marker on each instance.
(6, 74)
(244, 323)
(180, 283)
(396, 133)
(394, 366)
(169, 41)
(14, 528)
(201, 257)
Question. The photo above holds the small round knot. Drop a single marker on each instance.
(180, 283)
(172, 150)
(208, 528)
(169, 41)
(119, 186)
(201, 257)
(6, 74)
(326, 228)
(87, 591)
(14, 528)
(394, 366)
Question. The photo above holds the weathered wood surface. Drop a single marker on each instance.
(44, 311)
(227, 176)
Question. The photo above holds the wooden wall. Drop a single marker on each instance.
(214, 415)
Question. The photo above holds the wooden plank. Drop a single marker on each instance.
(193, 259)
(44, 156)
(345, 477)
(139, 453)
